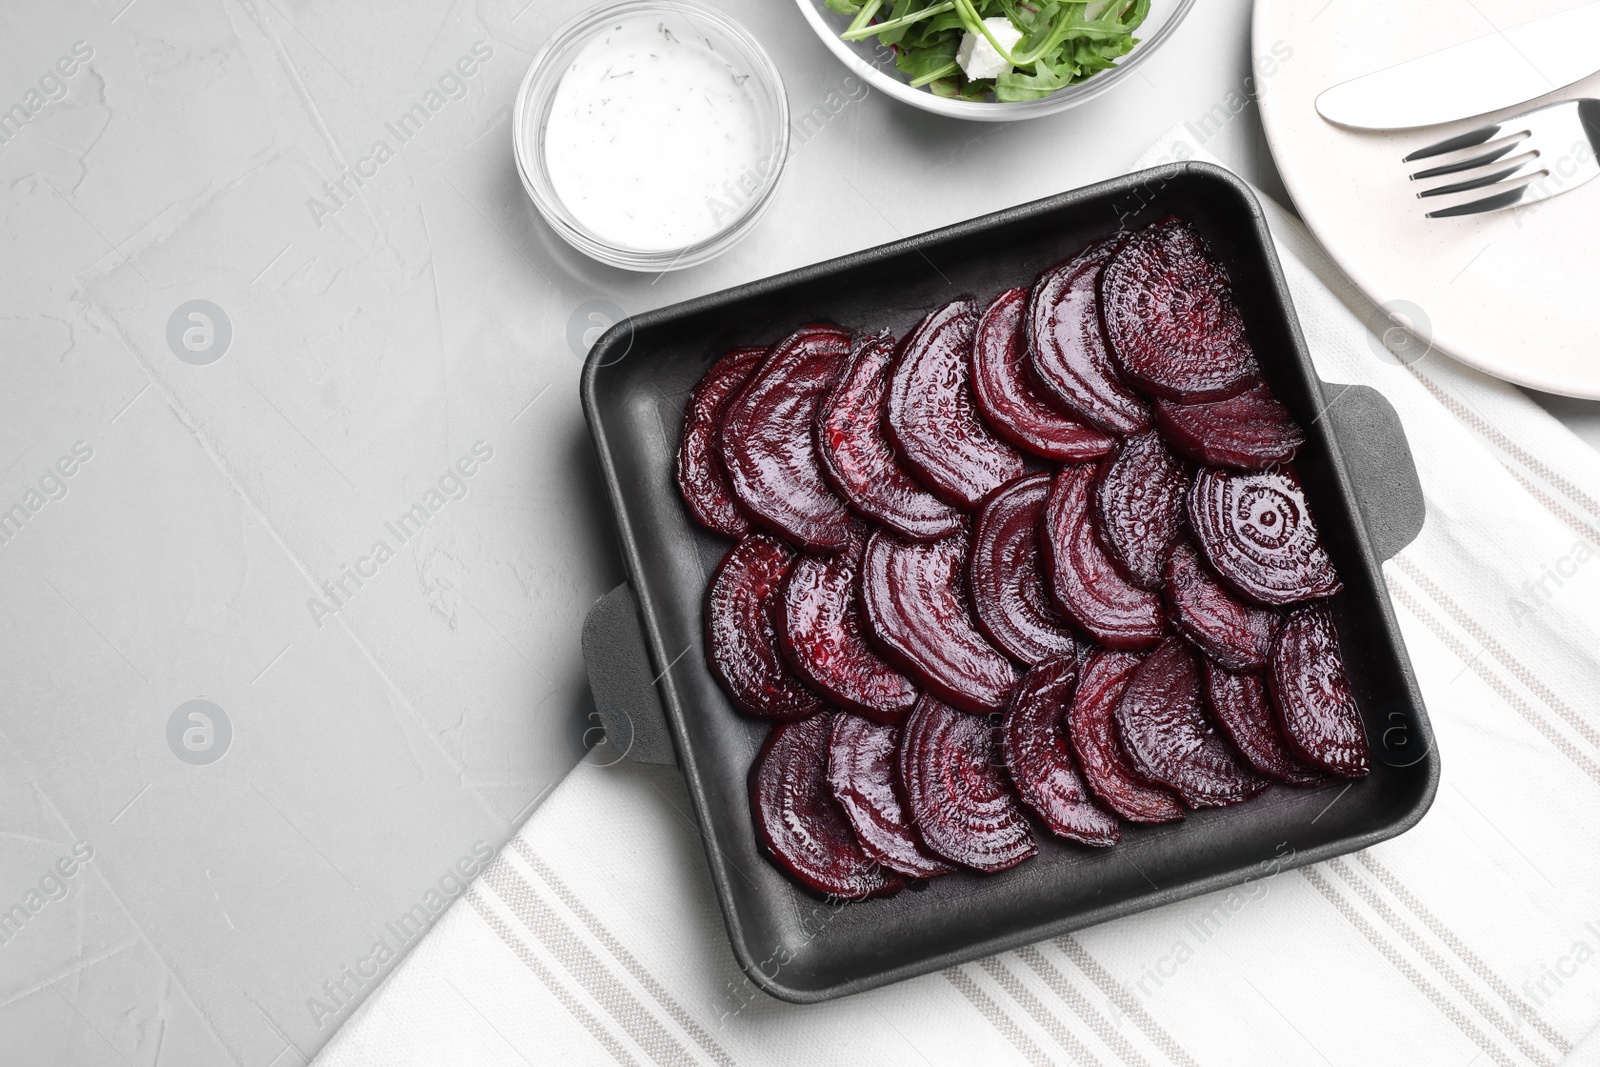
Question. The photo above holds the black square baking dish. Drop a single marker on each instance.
(644, 643)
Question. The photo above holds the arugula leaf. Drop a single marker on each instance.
(919, 62)
(1017, 85)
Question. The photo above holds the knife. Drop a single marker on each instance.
(1494, 71)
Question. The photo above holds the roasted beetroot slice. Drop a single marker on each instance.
(1139, 507)
(1235, 634)
(821, 634)
(1168, 738)
(933, 418)
(1251, 430)
(1006, 576)
(742, 635)
(1092, 731)
(861, 773)
(702, 478)
(1006, 397)
(1169, 315)
(858, 458)
(1067, 349)
(1256, 530)
(959, 803)
(914, 598)
(1239, 703)
(1085, 582)
(1315, 707)
(1034, 741)
(803, 828)
(769, 440)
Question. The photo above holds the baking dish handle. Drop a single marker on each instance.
(625, 695)
(1380, 464)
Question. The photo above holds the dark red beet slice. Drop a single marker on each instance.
(702, 478)
(821, 634)
(1067, 348)
(914, 598)
(1085, 582)
(1006, 397)
(960, 806)
(1006, 577)
(1169, 314)
(1168, 738)
(1251, 430)
(1315, 706)
(1257, 531)
(742, 635)
(1239, 703)
(1092, 730)
(803, 828)
(1237, 635)
(933, 418)
(861, 773)
(1035, 746)
(1139, 507)
(769, 440)
(857, 455)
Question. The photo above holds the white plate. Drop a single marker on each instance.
(1512, 293)
(875, 63)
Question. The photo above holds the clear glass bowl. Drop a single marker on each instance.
(689, 21)
(875, 64)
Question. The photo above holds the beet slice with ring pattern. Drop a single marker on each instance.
(821, 634)
(769, 442)
(1252, 430)
(1139, 507)
(1239, 704)
(804, 829)
(1067, 349)
(1092, 732)
(1042, 768)
(1315, 706)
(933, 417)
(861, 773)
(914, 598)
(742, 636)
(1235, 634)
(1168, 738)
(1256, 529)
(1170, 317)
(702, 477)
(857, 455)
(1006, 576)
(1086, 584)
(1006, 397)
(960, 806)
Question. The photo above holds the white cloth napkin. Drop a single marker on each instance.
(1474, 938)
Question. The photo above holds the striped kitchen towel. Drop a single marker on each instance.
(1475, 938)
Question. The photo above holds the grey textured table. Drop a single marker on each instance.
(355, 516)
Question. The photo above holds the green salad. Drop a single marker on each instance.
(1043, 45)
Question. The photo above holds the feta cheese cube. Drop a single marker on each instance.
(977, 56)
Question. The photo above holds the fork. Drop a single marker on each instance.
(1521, 160)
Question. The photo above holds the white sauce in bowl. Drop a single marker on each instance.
(654, 141)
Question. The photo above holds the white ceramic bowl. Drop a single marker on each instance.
(690, 20)
(875, 64)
